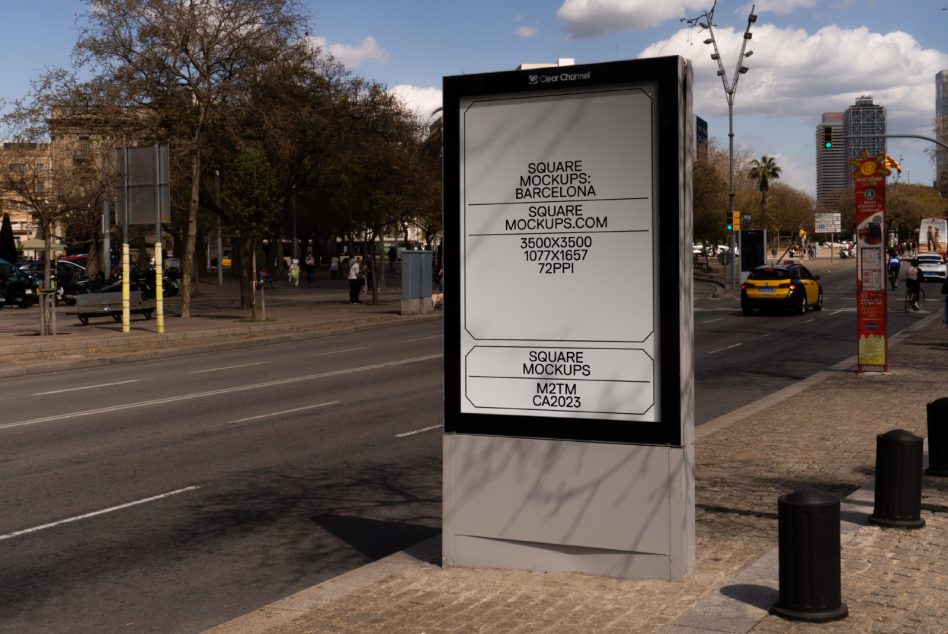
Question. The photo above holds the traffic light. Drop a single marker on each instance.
(736, 220)
(827, 137)
(729, 221)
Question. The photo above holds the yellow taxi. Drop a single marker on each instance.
(781, 286)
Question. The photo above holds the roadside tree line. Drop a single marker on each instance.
(267, 131)
(784, 210)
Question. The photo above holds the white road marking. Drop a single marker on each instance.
(280, 413)
(229, 367)
(323, 354)
(417, 431)
(723, 349)
(229, 390)
(112, 509)
(86, 387)
(711, 321)
(424, 338)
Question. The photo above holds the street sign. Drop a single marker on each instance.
(828, 223)
(148, 167)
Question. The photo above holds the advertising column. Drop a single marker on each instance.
(871, 294)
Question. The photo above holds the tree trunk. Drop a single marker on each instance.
(187, 266)
(48, 242)
(253, 280)
(372, 281)
(245, 272)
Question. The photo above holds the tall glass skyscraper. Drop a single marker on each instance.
(941, 131)
(864, 118)
(833, 170)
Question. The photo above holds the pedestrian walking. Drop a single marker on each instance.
(310, 269)
(912, 278)
(334, 267)
(294, 272)
(355, 280)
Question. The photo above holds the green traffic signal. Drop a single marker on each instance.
(827, 137)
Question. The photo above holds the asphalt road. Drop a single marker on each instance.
(739, 359)
(177, 494)
(174, 495)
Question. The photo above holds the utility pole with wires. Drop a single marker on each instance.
(705, 21)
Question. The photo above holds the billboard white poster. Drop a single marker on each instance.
(558, 255)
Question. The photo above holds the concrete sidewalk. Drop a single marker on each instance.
(819, 433)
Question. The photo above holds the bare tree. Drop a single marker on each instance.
(53, 193)
(188, 61)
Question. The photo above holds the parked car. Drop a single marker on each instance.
(68, 277)
(932, 266)
(81, 259)
(789, 286)
(139, 281)
(17, 287)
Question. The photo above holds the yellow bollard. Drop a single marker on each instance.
(159, 291)
(126, 291)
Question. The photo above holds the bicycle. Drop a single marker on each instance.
(914, 297)
(893, 278)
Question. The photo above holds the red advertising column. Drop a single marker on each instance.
(871, 298)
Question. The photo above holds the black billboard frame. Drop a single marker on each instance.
(669, 76)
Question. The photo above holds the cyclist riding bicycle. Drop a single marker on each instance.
(894, 265)
(913, 276)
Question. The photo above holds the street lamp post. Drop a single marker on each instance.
(706, 21)
(217, 201)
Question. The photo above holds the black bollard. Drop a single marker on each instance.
(898, 480)
(808, 537)
(938, 438)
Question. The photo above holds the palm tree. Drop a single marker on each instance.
(763, 171)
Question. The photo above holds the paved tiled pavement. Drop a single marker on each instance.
(892, 580)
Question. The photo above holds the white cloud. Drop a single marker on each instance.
(801, 75)
(797, 172)
(588, 18)
(354, 56)
(782, 7)
(423, 101)
(526, 31)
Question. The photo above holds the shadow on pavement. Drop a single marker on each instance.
(760, 597)
(374, 538)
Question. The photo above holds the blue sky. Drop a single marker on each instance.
(810, 56)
